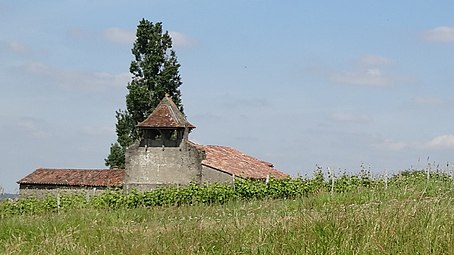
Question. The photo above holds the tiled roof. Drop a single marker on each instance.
(222, 158)
(235, 162)
(165, 115)
(76, 177)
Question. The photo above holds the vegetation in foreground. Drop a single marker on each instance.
(357, 215)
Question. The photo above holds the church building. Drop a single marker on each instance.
(164, 156)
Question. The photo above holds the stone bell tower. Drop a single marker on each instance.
(163, 156)
(166, 126)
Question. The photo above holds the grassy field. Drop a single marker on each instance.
(411, 217)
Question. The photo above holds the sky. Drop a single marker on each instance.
(336, 84)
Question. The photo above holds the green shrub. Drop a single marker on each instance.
(243, 189)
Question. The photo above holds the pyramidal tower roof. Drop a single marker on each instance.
(166, 115)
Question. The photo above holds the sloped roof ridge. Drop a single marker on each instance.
(235, 162)
(166, 115)
(77, 177)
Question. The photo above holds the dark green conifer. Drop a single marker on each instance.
(155, 72)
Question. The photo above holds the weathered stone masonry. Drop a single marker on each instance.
(151, 167)
(164, 156)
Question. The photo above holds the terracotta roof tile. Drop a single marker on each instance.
(166, 115)
(235, 162)
(222, 158)
(76, 177)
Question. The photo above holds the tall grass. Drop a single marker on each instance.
(411, 216)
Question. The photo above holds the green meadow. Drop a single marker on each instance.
(407, 214)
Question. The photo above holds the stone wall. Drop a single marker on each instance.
(150, 167)
(44, 190)
(211, 175)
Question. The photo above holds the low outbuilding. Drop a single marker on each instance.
(164, 156)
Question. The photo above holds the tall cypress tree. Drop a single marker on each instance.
(155, 72)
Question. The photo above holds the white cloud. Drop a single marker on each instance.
(443, 34)
(181, 40)
(98, 131)
(426, 100)
(347, 117)
(368, 71)
(37, 68)
(232, 101)
(438, 142)
(118, 35)
(123, 36)
(77, 79)
(17, 47)
(14, 47)
(392, 145)
(32, 127)
(374, 60)
(373, 77)
(441, 142)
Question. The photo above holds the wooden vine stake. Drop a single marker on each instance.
(58, 201)
(331, 172)
(386, 178)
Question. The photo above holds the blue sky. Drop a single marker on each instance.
(295, 83)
